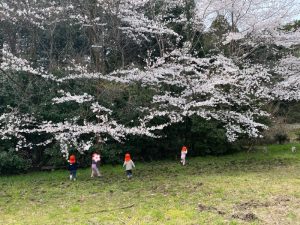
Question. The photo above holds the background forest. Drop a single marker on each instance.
(144, 76)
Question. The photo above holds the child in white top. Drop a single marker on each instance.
(128, 163)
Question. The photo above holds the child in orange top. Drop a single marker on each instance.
(129, 165)
(183, 154)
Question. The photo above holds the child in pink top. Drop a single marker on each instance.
(183, 155)
(95, 171)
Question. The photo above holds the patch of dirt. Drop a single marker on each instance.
(81, 199)
(280, 214)
(274, 211)
(245, 216)
(279, 200)
(202, 208)
(252, 204)
(199, 184)
(4, 194)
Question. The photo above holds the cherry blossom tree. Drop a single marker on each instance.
(227, 86)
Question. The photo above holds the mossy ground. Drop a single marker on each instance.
(246, 188)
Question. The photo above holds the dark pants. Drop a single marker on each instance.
(73, 173)
(129, 173)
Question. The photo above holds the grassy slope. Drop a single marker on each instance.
(211, 190)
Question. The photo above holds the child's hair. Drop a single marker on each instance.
(127, 157)
(72, 159)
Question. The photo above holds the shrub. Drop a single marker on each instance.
(53, 157)
(12, 163)
(281, 137)
(209, 138)
(298, 135)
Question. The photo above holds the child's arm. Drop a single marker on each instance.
(124, 164)
(132, 164)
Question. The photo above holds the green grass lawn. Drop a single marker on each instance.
(245, 188)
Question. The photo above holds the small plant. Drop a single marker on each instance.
(293, 149)
(265, 149)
